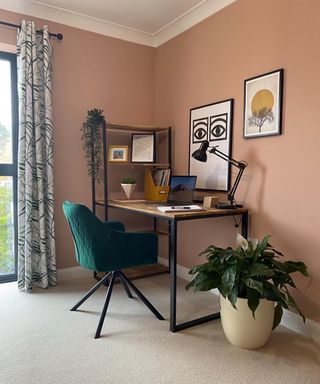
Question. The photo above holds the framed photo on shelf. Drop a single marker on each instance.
(263, 105)
(143, 148)
(212, 123)
(118, 154)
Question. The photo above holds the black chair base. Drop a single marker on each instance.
(126, 283)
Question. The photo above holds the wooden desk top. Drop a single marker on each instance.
(150, 208)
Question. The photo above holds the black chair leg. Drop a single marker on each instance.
(89, 293)
(125, 286)
(141, 296)
(105, 307)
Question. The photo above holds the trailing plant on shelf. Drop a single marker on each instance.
(252, 271)
(92, 141)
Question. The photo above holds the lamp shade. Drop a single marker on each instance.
(201, 153)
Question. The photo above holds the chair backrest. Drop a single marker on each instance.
(89, 235)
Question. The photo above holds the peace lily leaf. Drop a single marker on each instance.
(296, 266)
(254, 284)
(260, 269)
(232, 297)
(253, 300)
(228, 278)
(261, 247)
(278, 312)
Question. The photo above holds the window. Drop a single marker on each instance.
(8, 166)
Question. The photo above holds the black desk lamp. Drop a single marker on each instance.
(201, 155)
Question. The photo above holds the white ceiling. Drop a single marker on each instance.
(149, 22)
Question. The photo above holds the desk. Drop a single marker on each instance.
(148, 209)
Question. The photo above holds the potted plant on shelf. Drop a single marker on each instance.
(92, 141)
(128, 185)
(253, 285)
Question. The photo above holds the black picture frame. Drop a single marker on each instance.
(143, 147)
(212, 122)
(263, 99)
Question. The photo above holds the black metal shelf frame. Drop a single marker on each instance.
(108, 126)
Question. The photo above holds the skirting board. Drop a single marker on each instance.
(289, 320)
(73, 273)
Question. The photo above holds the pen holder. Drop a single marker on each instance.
(210, 201)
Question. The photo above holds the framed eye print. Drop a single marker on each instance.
(143, 148)
(118, 154)
(263, 105)
(212, 122)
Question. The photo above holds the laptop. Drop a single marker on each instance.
(181, 190)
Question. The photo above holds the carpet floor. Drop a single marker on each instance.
(42, 342)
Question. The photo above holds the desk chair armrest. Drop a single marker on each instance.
(117, 225)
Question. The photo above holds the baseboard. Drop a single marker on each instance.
(73, 273)
(289, 320)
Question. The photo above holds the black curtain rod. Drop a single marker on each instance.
(58, 36)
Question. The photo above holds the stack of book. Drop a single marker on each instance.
(161, 177)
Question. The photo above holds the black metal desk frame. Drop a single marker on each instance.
(173, 224)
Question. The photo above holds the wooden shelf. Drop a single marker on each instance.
(158, 165)
(136, 128)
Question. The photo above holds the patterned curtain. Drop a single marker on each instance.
(36, 239)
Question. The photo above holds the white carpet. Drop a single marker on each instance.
(42, 342)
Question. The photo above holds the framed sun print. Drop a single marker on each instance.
(143, 148)
(263, 105)
(212, 122)
(118, 154)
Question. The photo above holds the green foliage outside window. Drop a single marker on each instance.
(6, 229)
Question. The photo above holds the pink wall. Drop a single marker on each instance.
(209, 63)
(205, 64)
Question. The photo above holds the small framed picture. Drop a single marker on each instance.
(143, 148)
(263, 105)
(118, 154)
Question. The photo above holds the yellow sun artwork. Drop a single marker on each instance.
(262, 99)
(263, 104)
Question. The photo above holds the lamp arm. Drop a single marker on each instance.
(241, 165)
(232, 191)
(225, 157)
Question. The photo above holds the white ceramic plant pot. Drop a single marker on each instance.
(241, 328)
(129, 189)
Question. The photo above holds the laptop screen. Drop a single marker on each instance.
(181, 189)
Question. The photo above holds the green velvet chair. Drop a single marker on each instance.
(106, 247)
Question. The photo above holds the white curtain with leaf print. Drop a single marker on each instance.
(36, 238)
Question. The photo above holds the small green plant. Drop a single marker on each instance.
(128, 180)
(251, 271)
(92, 141)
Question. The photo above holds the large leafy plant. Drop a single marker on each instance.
(252, 271)
(92, 141)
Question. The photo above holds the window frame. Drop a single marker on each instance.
(10, 169)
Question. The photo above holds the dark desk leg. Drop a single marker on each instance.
(174, 327)
(173, 273)
(245, 225)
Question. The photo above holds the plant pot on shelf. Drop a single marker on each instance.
(241, 328)
(129, 189)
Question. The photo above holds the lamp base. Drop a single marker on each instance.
(228, 206)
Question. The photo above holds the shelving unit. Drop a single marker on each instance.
(111, 132)
(128, 130)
